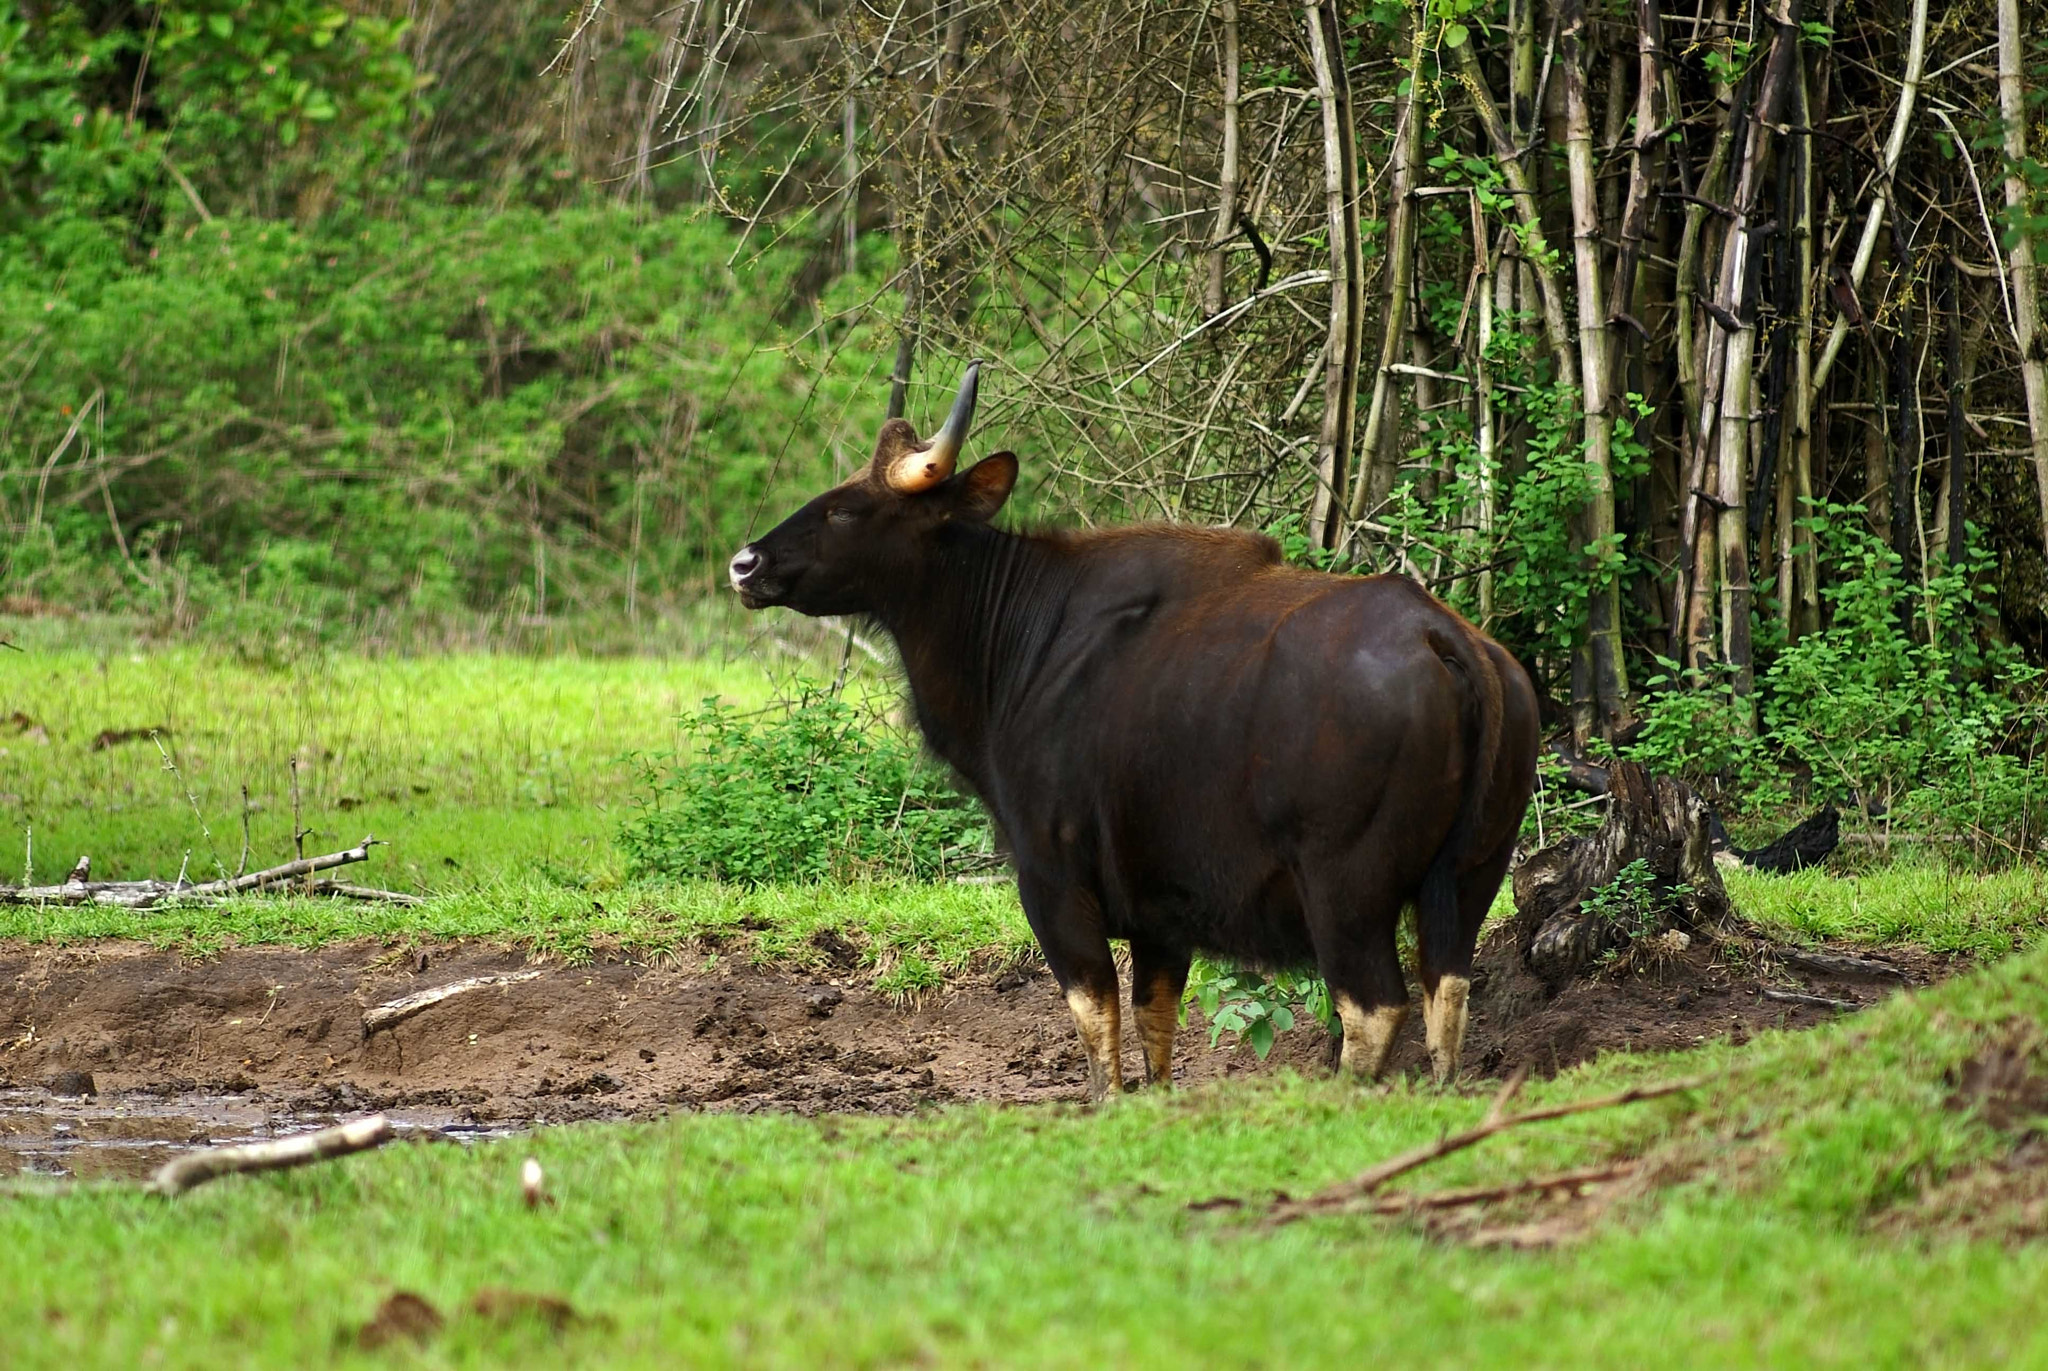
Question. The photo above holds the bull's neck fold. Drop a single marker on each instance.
(974, 631)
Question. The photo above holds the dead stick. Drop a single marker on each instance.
(1487, 1194)
(242, 867)
(1811, 1001)
(298, 833)
(197, 1168)
(139, 894)
(1372, 1178)
(344, 891)
(270, 875)
(397, 1011)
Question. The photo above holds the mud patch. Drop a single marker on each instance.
(115, 1056)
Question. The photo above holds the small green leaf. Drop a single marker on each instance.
(1455, 35)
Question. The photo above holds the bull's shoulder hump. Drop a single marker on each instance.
(1188, 549)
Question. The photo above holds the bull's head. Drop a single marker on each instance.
(865, 542)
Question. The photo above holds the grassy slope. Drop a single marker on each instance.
(1061, 1237)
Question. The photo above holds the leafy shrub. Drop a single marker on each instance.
(1897, 705)
(807, 794)
(1256, 1007)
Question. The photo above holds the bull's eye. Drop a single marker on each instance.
(840, 515)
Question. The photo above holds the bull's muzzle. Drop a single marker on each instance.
(745, 565)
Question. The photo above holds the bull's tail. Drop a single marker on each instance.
(1439, 922)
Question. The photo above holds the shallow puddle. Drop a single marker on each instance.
(115, 1136)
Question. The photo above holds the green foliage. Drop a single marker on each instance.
(437, 413)
(811, 792)
(1256, 1007)
(1704, 737)
(1898, 704)
(1634, 904)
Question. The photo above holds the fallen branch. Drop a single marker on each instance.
(1810, 1001)
(1838, 963)
(197, 1168)
(1489, 1194)
(399, 1010)
(1344, 1193)
(341, 890)
(145, 894)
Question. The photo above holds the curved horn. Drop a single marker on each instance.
(924, 468)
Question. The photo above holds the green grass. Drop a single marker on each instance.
(467, 763)
(1978, 915)
(1060, 1236)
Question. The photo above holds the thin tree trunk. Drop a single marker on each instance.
(1380, 448)
(849, 170)
(2012, 106)
(1608, 674)
(1953, 503)
(1492, 280)
(1227, 175)
(1347, 287)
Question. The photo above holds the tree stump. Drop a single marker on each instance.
(1571, 908)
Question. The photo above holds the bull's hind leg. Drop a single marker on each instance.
(1068, 925)
(1353, 932)
(1159, 977)
(1445, 964)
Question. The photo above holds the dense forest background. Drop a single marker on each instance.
(1693, 351)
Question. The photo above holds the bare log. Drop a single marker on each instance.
(1824, 963)
(398, 1011)
(180, 1174)
(1810, 1001)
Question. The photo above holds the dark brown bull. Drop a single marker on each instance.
(1185, 742)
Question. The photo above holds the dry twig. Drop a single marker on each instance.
(197, 1168)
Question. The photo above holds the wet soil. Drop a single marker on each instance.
(115, 1055)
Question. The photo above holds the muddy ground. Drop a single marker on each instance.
(113, 1053)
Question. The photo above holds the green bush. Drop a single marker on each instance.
(809, 793)
(1898, 705)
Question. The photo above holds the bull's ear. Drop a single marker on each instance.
(981, 489)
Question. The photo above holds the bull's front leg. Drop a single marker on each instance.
(1068, 925)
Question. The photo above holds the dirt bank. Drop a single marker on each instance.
(276, 1035)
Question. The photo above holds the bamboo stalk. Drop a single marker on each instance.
(2012, 106)
(1604, 665)
(1802, 592)
(1738, 272)
(1535, 247)
(1894, 148)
